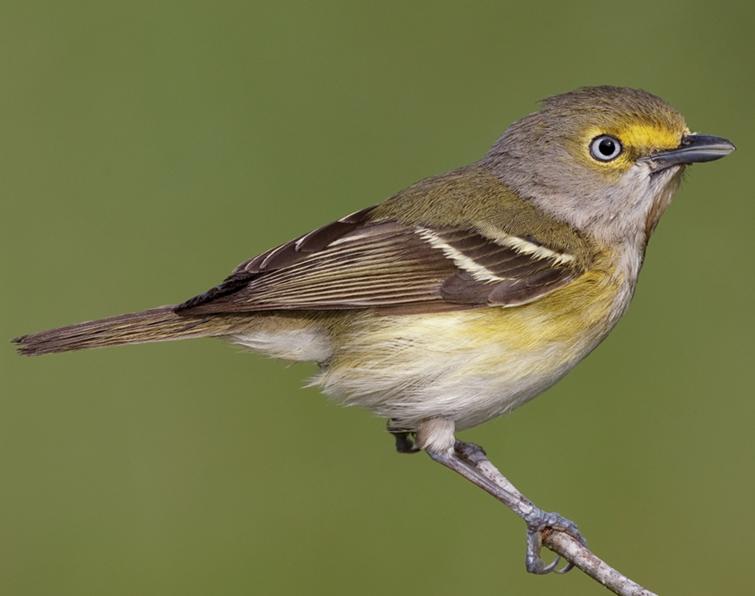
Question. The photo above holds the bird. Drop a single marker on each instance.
(464, 295)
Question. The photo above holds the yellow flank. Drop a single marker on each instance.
(572, 313)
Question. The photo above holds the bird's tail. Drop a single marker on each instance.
(157, 324)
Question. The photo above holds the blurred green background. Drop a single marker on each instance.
(148, 147)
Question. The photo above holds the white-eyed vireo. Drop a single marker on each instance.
(466, 294)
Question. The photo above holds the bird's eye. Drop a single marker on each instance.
(605, 148)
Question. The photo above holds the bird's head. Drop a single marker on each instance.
(605, 159)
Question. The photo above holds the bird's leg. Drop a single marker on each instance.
(405, 441)
(472, 463)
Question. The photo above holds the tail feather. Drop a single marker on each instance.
(157, 324)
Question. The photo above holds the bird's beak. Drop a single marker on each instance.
(694, 148)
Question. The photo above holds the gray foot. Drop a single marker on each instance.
(543, 521)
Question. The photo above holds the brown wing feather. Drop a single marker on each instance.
(356, 263)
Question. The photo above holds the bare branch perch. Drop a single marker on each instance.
(470, 461)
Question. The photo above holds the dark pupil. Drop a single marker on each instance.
(606, 147)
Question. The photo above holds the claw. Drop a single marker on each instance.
(566, 568)
(533, 561)
(542, 520)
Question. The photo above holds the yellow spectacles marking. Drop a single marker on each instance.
(637, 138)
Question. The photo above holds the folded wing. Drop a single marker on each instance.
(358, 263)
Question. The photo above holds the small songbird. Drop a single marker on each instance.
(464, 295)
